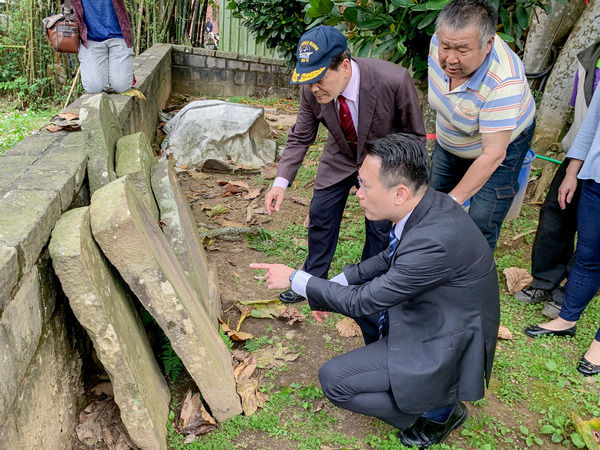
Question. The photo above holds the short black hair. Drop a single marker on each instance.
(339, 58)
(459, 14)
(404, 160)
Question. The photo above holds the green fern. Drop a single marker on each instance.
(226, 339)
(170, 360)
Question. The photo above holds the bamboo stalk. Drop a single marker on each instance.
(72, 86)
(139, 28)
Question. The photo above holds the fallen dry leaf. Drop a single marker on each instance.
(268, 171)
(183, 167)
(104, 388)
(306, 221)
(241, 184)
(252, 397)
(193, 418)
(68, 116)
(135, 93)
(505, 333)
(291, 315)
(274, 356)
(263, 309)
(589, 430)
(236, 335)
(100, 422)
(53, 128)
(300, 242)
(245, 369)
(216, 210)
(517, 279)
(300, 200)
(347, 327)
(251, 194)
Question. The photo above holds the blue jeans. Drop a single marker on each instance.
(106, 66)
(491, 203)
(584, 279)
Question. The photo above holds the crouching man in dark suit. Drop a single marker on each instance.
(432, 299)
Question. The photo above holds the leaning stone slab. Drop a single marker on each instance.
(103, 306)
(26, 220)
(181, 231)
(133, 242)
(9, 273)
(20, 330)
(99, 120)
(135, 157)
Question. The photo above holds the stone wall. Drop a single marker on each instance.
(197, 71)
(40, 178)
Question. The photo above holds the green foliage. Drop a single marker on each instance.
(15, 125)
(170, 361)
(400, 30)
(277, 23)
(226, 339)
(257, 343)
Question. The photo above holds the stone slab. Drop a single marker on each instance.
(9, 273)
(99, 120)
(17, 161)
(61, 183)
(135, 157)
(104, 307)
(35, 144)
(26, 220)
(20, 330)
(180, 229)
(133, 242)
(46, 408)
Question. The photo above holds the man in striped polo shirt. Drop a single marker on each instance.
(485, 113)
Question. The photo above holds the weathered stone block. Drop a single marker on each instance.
(99, 119)
(195, 60)
(8, 175)
(237, 65)
(26, 219)
(35, 144)
(45, 411)
(20, 330)
(216, 63)
(245, 78)
(181, 231)
(61, 183)
(104, 307)
(133, 242)
(135, 158)
(9, 274)
(17, 161)
(257, 67)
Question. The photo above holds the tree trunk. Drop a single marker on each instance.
(547, 30)
(554, 108)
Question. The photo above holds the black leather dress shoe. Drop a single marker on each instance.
(425, 433)
(587, 368)
(289, 296)
(534, 331)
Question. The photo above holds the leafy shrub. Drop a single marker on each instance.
(277, 23)
(400, 30)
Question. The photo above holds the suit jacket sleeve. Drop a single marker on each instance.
(371, 268)
(419, 264)
(408, 110)
(301, 136)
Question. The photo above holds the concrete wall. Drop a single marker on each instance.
(197, 71)
(40, 178)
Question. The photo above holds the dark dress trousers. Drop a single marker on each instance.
(440, 289)
(387, 103)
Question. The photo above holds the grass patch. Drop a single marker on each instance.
(16, 125)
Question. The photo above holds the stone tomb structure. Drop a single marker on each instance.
(48, 174)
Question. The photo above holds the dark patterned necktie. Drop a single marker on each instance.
(383, 315)
(346, 122)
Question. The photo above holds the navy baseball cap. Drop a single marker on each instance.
(316, 49)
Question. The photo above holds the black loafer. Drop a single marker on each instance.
(425, 433)
(534, 331)
(289, 296)
(587, 368)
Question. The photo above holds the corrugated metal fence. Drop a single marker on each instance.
(234, 37)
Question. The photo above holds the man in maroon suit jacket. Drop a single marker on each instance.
(381, 99)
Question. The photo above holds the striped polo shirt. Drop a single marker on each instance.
(495, 98)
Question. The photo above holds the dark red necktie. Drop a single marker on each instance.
(346, 122)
